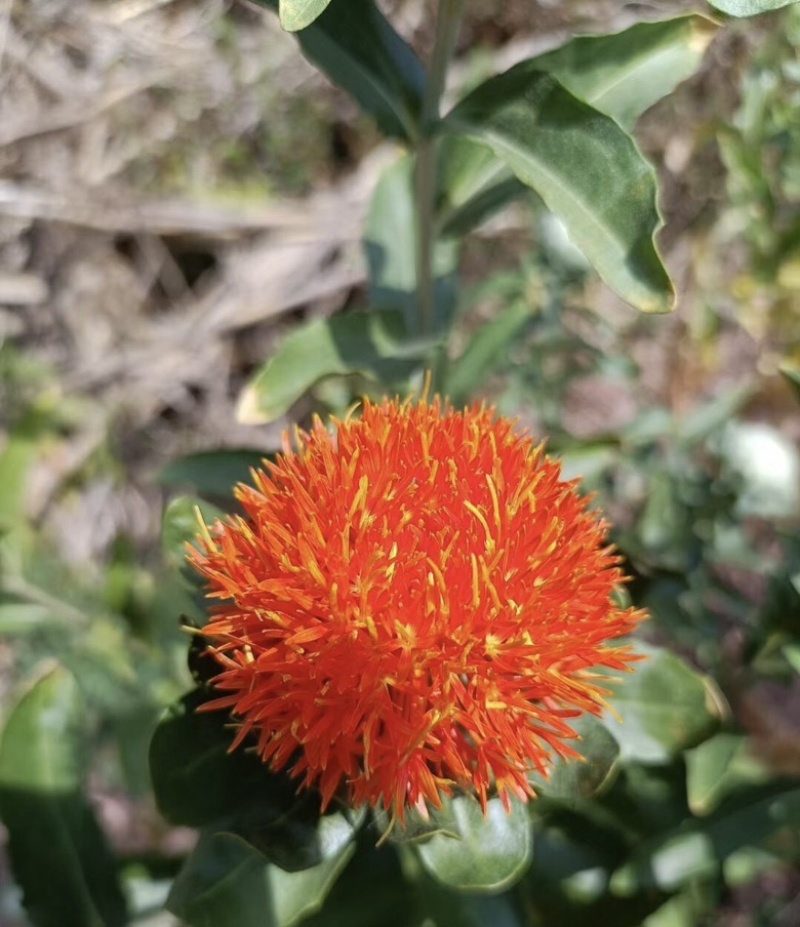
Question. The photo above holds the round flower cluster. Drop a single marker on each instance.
(412, 603)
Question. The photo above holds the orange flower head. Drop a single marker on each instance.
(412, 604)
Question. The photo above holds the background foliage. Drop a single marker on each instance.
(687, 808)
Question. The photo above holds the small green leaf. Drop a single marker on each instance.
(58, 853)
(212, 473)
(390, 242)
(717, 767)
(356, 46)
(749, 7)
(297, 14)
(226, 884)
(25, 617)
(586, 169)
(571, 782)
(664, 707)
(792, 377)
(370, 344)
(486, 349)
(180, 526)
(479, 854)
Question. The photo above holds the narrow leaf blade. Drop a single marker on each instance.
(298, 14)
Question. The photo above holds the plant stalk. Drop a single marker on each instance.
(447, 24)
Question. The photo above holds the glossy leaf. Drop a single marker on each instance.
(477, 853)
(297, 14)
(225, 882)
(390, 242)
(213, 473)
(624, 74)
(586, 169)
(370, 344)
(58, 853)
(663, 705)
(749, 7)
(355, 45)
(571, 782)
(792, 377)
(180, 526)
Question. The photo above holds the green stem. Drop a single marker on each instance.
(447, 23)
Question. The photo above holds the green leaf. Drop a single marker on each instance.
(586, 169)
(572, 782)
(198, 783)
(297, 14)
(355, 45)
(621, 75)
(664, 707)
(792, 377)
(59, 854)
(390, 242)
(485, 350)
(749, 7)
(624, 74)
(224, 882)
(717, 767)
(25, 617)
(212, 473)
(479, 854)
(369, 344)
(180, 526)
(473, 185)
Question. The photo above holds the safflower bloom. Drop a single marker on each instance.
(412, 604)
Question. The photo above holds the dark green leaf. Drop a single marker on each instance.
(198, 783)
(664, 707)
(297, 14)
(226, 884)
(212, 473)
(586, 169)
(371, 344)
(390, 242)
(59, 854)
(477, 853)
(356, 46)
(749, 7)
(571, 782)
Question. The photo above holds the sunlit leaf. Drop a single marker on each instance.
(297, 14)
(624, 74)
(749, 7)
(663, 705)
(621, 75)
(480, 854)
(58, 853)
(586, 169)
(371, 344)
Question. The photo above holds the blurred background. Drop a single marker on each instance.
(179, 189)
